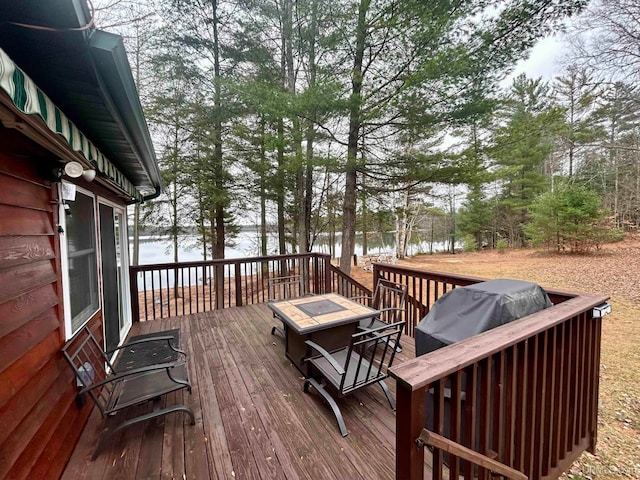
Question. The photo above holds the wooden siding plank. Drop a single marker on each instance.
(13, 378)
(28, 420)
(17, 250)
(17, 192)
(19, 311)
(54, 461)
(52, 431)
(14, 412)
(20, 221)
(17, 343)
(22, 279)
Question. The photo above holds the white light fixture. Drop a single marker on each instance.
(75, 170)
(601, 310)
(89, 175)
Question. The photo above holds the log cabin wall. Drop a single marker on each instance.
(39, 421)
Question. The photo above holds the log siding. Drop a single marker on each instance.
(39, 421)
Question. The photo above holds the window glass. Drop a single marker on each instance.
(82, 261)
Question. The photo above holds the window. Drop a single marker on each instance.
(81, 260)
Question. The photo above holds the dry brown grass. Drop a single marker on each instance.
(614, 271)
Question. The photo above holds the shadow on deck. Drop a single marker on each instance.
(252, 418)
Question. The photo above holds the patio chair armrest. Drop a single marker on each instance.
(135, 371)
(361, 297)
(332, 361)
(168, 338)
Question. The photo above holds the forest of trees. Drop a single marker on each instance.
(317, 116)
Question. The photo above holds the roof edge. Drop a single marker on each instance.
(112, 68)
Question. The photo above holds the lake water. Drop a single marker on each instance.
(160, 249)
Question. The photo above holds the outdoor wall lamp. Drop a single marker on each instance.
(601, 310)
(72, 169)
(75, 169)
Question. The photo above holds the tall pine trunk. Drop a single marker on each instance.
(355, 124)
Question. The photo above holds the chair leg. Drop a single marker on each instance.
(332, 403)
(158, 413)
(395, 345)
(278, 330)
(387, 392)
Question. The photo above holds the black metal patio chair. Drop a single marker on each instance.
(113, 391)
(363, 362)
(284, 288)
(389, 299)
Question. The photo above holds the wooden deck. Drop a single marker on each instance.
(252, 418)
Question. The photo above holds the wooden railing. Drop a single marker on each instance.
(170, 289)
(340, 282)
(524, 395)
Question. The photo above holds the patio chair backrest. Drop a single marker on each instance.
(286, 287)
(389, 297)
(90, 364)
(370, 355)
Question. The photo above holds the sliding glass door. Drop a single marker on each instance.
(115, 287)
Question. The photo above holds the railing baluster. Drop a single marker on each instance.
(135, 297)
(532, 410)
(582, 375)
(470, 415)
(549, 406)
(153, 294)
(521, 400)
(455, 423)
(510, 403)
(182, 288)
(497, 382)
(539, 415)
(485, 370)
(144, 281)
(438, 424)
(597, 326)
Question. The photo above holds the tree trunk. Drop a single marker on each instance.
(280, 186)
(263, 192)
(219, 210)
(365, 218)
(355, 124)
(280, 180)
(305, 244)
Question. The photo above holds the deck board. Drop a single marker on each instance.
(253, 421)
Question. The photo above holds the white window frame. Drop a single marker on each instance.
(64, 261)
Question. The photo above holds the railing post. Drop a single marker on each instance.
(410, 420)
(135, 297)
(327, 274)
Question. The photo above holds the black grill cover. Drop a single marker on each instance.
(467, 311)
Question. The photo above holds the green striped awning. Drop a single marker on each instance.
(29, 99)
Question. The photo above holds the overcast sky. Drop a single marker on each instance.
(544, 60)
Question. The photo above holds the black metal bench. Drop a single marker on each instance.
(113, 390)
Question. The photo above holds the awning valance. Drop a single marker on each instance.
(29, 99)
